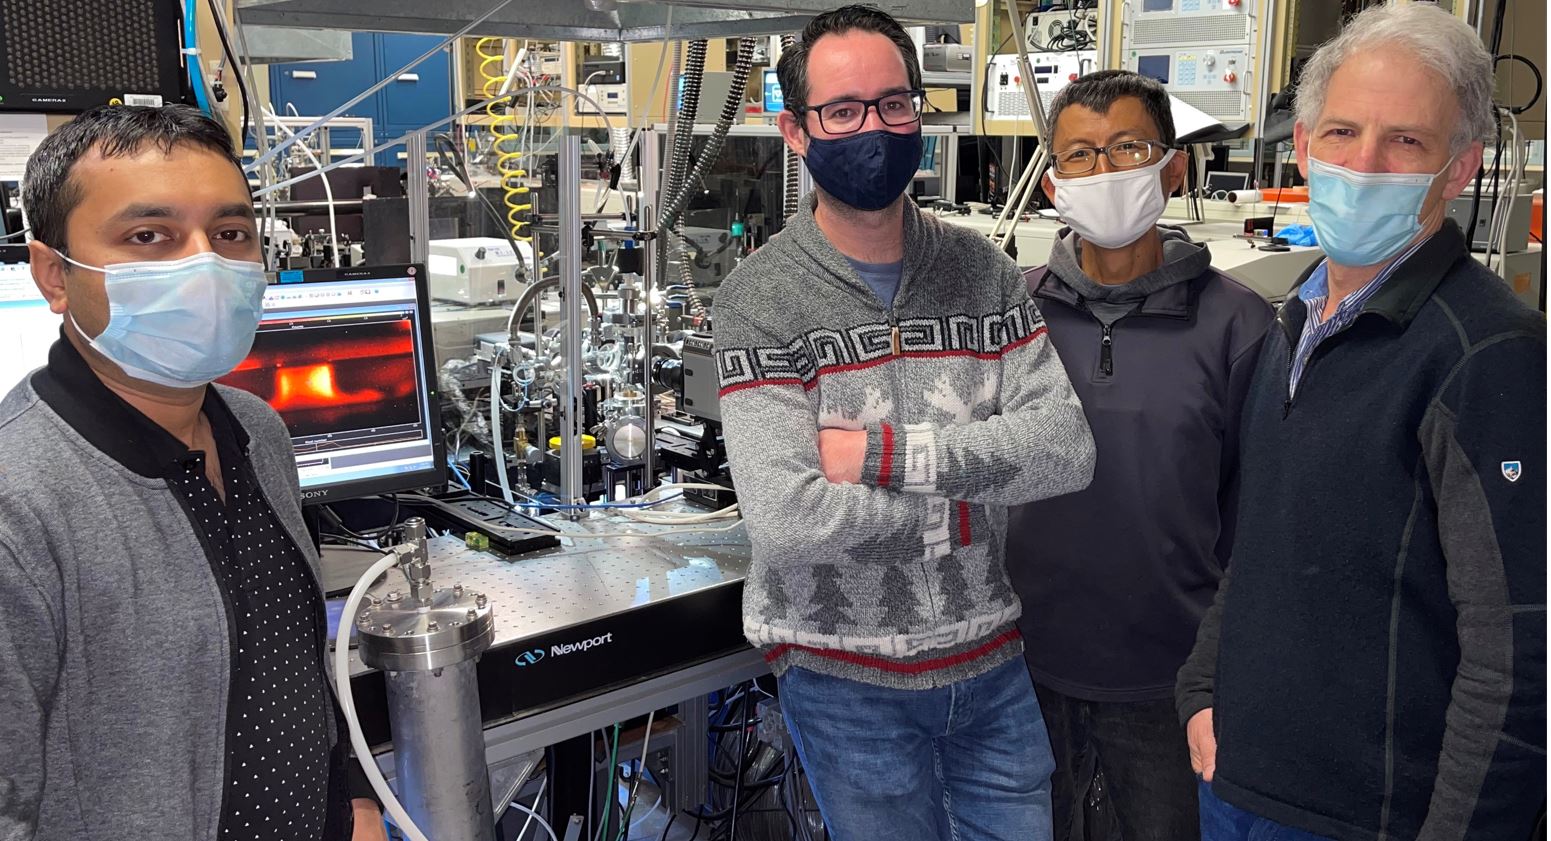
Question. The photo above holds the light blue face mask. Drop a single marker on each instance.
(179, 323)
(1365, 218)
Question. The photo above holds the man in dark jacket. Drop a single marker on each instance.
(1376, 667)
(1159, 348)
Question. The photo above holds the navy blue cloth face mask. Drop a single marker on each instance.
(867, 171)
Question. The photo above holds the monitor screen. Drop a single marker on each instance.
(775, 102)
(1225, 182)
(27, 328)
(345, 356)
(1156, 66)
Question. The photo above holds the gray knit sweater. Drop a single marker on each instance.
(898, 580)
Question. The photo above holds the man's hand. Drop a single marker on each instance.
(368, 821)
(1203, 744)
(841, 452)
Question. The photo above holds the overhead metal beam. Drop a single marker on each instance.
(571, 20)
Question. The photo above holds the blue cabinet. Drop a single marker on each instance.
(318, 87)
(416, 98)
(422, 94)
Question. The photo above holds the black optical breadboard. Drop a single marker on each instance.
(70, 55)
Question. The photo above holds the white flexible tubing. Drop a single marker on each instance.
(328, 189)
(532, 814)
(536, 816)
(363, 751)
(495, 430)
(497, 528)
(677, 518)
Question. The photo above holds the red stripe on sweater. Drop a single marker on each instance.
(964, 533)
(886, 665)
(873, 363)
(886, 460)
(757, 383)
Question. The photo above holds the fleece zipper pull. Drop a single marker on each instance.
(1106, 350)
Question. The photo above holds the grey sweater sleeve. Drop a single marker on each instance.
(30, 632)
(1484, 447)
(1036, 445)
(772, 445)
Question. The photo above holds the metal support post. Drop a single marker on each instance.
(428, 647)
(648, 322)
(570, 160)
(419, 199)
(950, 167)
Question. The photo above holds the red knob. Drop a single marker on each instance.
(1017, 80)
(1071, 77)
(1230, 77)
(1234, 4)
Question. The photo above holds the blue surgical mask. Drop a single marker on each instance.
(1365, 218)
(867, 171)
(179, 323)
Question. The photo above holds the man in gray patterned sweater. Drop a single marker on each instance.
(888, 390)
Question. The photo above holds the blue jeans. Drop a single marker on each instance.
(1222, 821)
(968, 762)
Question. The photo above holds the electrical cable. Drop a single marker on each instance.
(231, 54)
(710, 153)
(350, 541)
(461, 172)
(1497, 163)
(1539, 79)
(592, 777)
(635, 786)
(247, 87)
(644, 818)
(347, 699)
(328, 189)
(611, 793)
(1271, 226)
(22, 232)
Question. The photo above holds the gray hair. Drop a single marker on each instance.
(1442, 42)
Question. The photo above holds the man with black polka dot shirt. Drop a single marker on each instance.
(162, 633)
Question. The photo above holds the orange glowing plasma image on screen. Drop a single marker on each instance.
(326, 377)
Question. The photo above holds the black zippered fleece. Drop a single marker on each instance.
(1376, 657)
(1116, 577)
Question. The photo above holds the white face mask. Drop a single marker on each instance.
(179, 323)
(1113, 209)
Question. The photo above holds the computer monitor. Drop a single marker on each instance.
(345, 356)
(775, 101)
(27, 327)
(1218, 183)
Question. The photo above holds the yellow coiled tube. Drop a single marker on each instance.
(508, 141)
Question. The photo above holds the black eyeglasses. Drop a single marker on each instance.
(1127, 154)
(845, 116)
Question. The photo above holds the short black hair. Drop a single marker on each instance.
(49, 195)
(1099, 90)
(792, 69)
